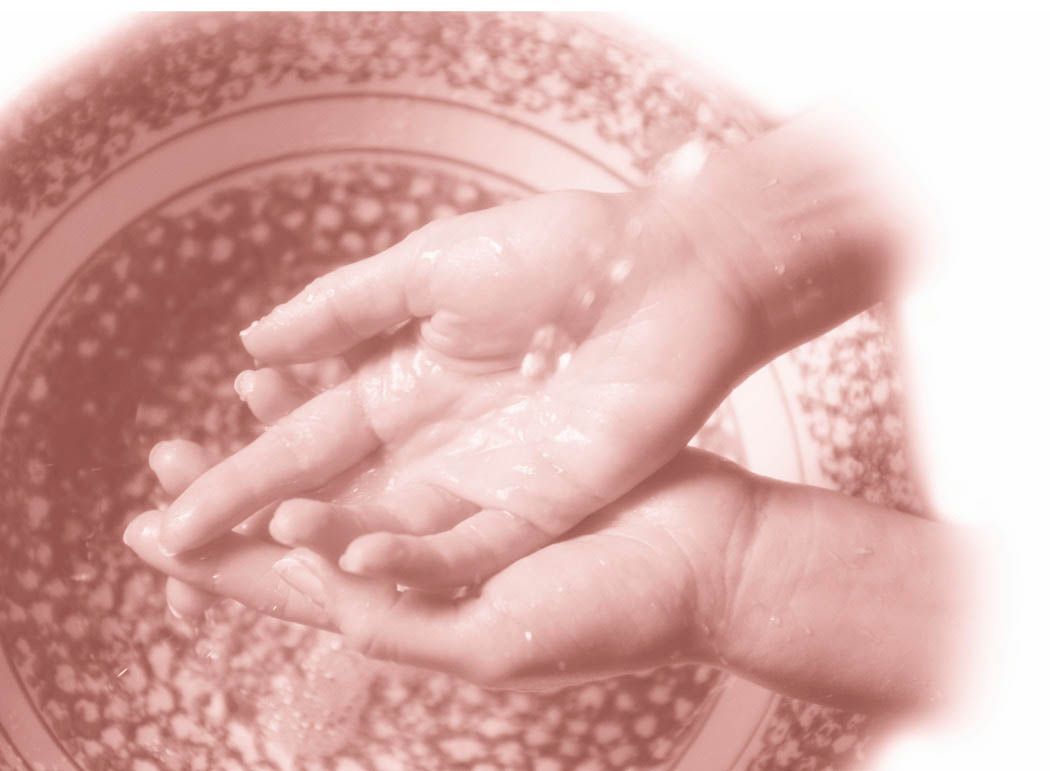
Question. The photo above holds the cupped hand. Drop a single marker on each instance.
(520, 367)
(702, 562)
(645, 581)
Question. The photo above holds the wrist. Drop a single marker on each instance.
(839, 601)
(797, 228)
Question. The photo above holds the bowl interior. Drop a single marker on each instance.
(176, 185)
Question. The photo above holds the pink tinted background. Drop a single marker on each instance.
(959, 100)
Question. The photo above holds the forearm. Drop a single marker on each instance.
(843, 602)
(799, 226)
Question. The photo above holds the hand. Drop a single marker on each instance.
(520, 367)
(811, 592)
(640, 584)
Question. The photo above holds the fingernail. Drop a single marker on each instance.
(244, 384)
(137, 531)
(129, 532)
(301, 578)
(247, 330)
(172, 611)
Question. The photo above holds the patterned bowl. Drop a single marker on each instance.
(194, 170)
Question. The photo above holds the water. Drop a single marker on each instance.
(170, 350)
(550, 351)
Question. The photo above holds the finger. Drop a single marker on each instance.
(321, 527)
(185, 601)
(188, 602)
(176, 464)
(336, 311)
(233, 566)
(407, 627)
(471, 551)
(269, 393)
(327, 528)
(299, 452)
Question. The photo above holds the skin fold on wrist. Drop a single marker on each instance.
(839, 601)
(798, 225)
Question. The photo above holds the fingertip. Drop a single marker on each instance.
(373, 554)
(142, 530)
(169, 451)
(258, 337)
(353, 560)
(158, 455)
(247, 333)
(300, 522)
(244, 384)
(282, 531)
(270, 394)
(186, 602)
(176, 463)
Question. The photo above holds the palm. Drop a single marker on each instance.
(540, 371)
(640, 583)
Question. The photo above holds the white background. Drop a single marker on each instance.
(961, 100)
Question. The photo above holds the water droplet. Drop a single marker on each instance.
(774, 620)
(779, 268)
(621, 269)
(796, 236)
(532, 365)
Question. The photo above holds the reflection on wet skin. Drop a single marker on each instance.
(272, 690)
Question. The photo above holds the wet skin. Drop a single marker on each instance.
(501, 401)
(646, 569)
(502, 387)
(704, 562)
